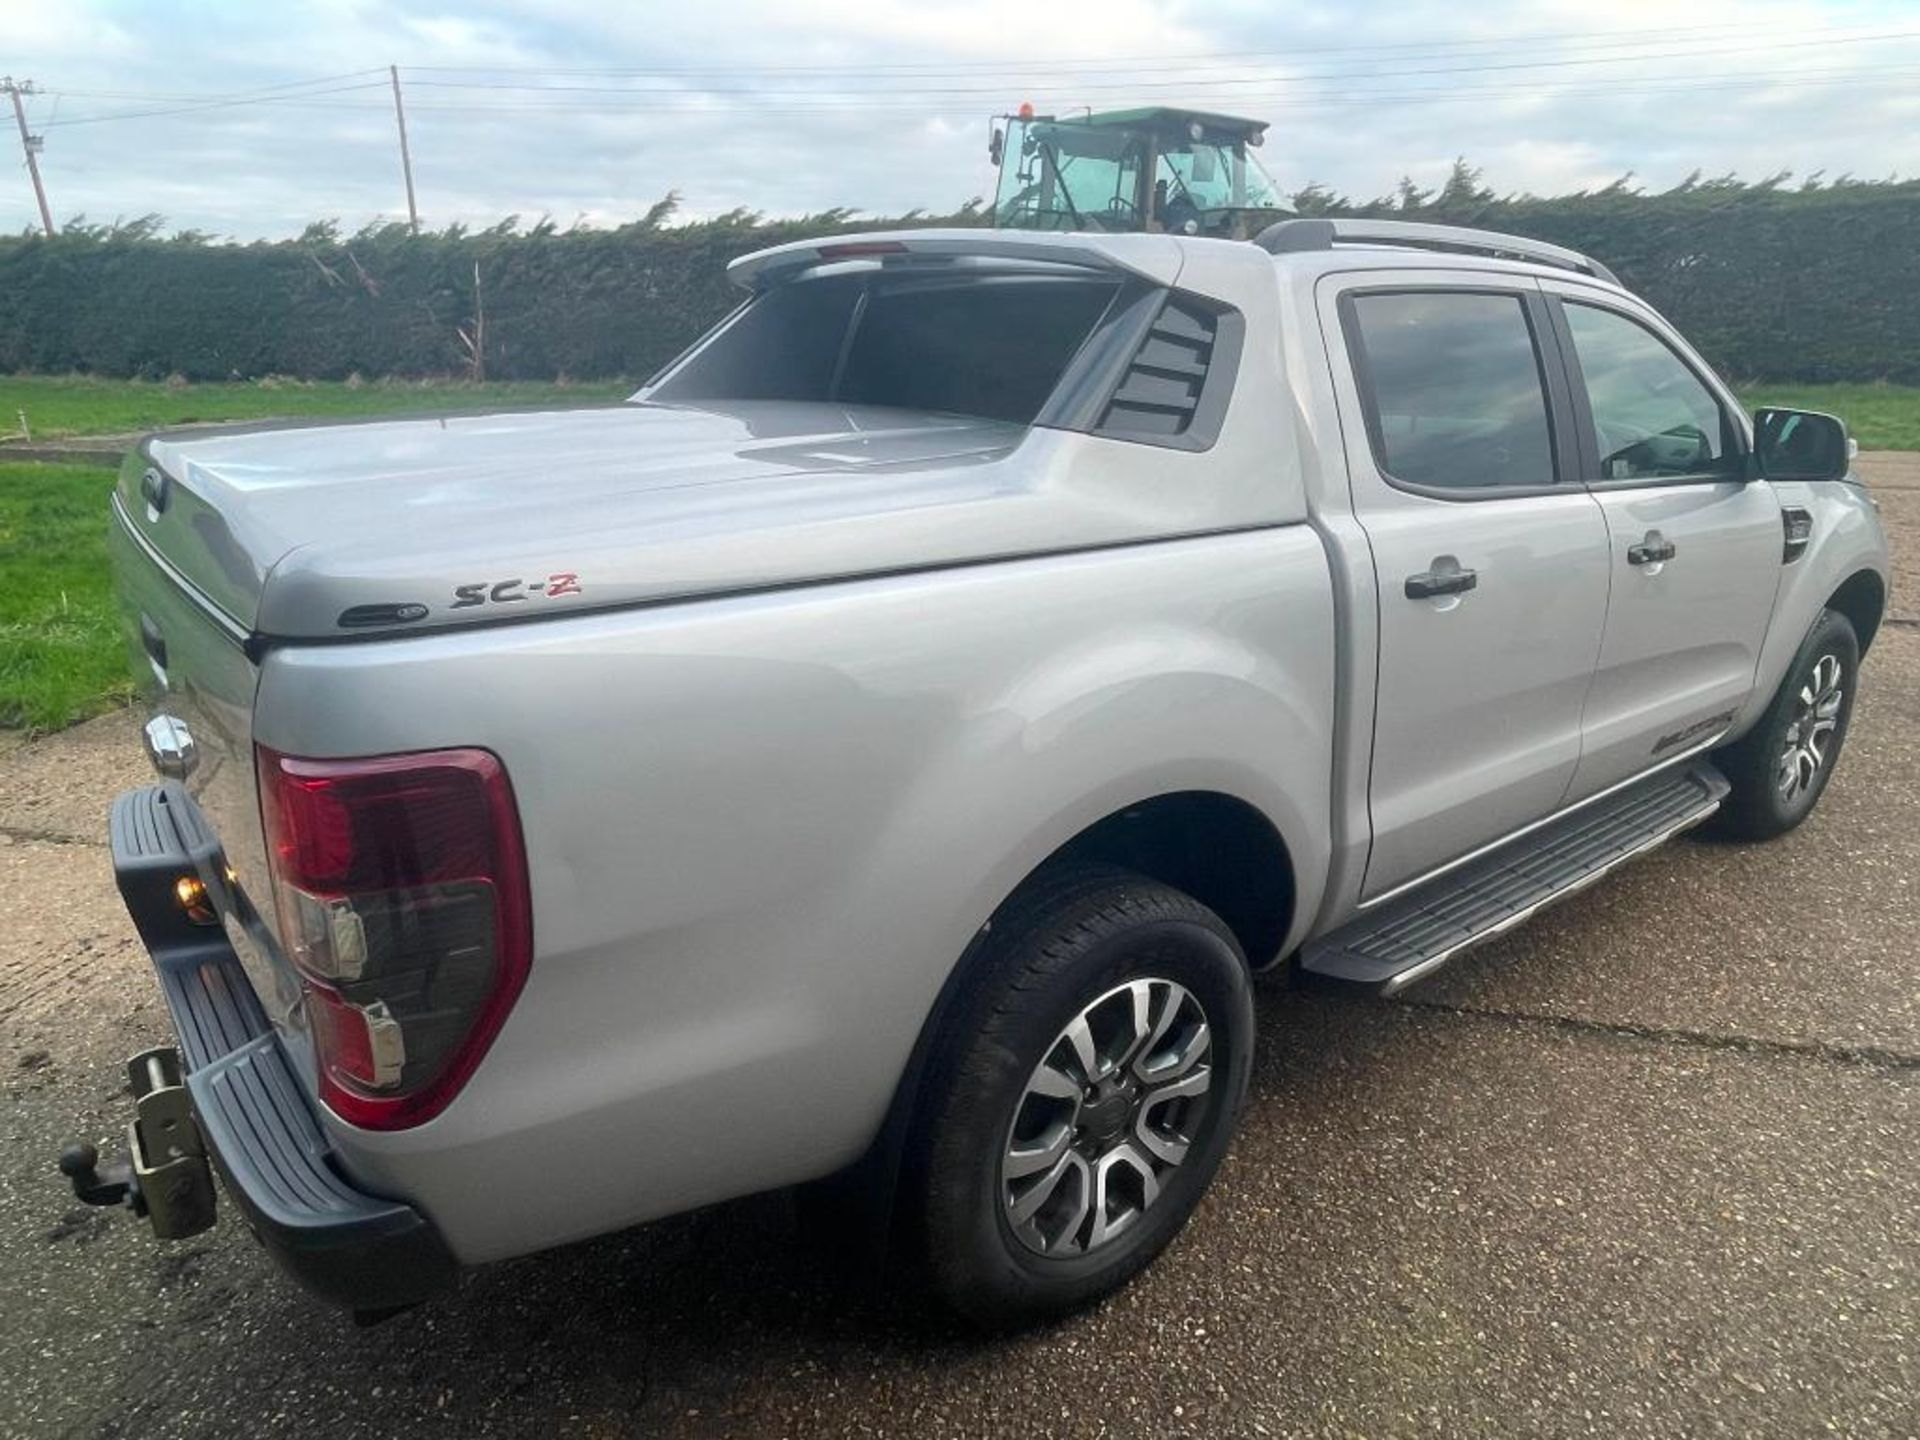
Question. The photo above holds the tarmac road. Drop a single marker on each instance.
(1651, 1165)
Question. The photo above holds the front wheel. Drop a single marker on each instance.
(1084, 1096)
(1779, 768)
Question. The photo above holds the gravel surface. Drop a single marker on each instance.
(1647, 1167)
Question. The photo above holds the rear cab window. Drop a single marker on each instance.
(988, 346)
(1033, 344)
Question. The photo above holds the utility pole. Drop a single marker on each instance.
(406, 155)
(32, 143)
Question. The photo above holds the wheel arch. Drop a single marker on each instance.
(1209, 843)
(1862, 598)
(1216, 847)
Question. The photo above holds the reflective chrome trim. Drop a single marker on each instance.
(193, 592)
(170, 748)
(1434, 874)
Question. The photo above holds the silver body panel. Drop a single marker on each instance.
(1683, 637)
(838, 686)
(763, 829)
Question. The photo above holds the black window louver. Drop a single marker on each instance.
(1160, 393)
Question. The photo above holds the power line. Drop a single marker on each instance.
(1190, 83)
(215, 105)
(299, 92)
(696, 101)
(1593, 38)
(201, 96)
(659, 102)
(1902, 82)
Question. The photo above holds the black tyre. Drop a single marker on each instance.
(1082, 1096)
(1780, 767)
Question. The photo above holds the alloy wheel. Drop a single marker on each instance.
(1112, 1108)
(1809, 739)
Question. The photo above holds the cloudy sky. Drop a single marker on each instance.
(252, 119)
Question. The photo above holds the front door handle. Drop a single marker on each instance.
(1446, 577)
(1656, 549)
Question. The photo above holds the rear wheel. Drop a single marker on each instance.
(1780, 768)
(1083, 1097)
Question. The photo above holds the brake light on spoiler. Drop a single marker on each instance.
(856, 249)
(401, 886)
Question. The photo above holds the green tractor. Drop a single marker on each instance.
(1180, 172)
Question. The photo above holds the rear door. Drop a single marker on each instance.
(1695, 547)
(1490, 557)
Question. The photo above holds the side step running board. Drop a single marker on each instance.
(1410, 937)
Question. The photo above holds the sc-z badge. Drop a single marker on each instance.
(506, 592)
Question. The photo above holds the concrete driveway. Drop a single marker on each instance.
(1650, 1166)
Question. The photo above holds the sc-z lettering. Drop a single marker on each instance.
(506, 592)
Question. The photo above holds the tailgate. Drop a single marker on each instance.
(192, 663)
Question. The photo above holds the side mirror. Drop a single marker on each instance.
(997, 147)
(1800, 445)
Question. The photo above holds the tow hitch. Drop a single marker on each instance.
(165, 1176)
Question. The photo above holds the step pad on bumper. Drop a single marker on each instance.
(1396, 943)
(260, 1129)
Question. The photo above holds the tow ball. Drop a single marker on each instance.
(164, 1177)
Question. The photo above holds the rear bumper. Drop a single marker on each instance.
(348, 1247)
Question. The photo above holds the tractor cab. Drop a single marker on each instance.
(1181, 172)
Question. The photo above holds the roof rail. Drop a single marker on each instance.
(1292, 237)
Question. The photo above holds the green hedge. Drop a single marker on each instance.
(1806, 283)
(583, 303)
(1814, 283)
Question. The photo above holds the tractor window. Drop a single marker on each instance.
(1070, 177)
(983, 344)
(1210, 178)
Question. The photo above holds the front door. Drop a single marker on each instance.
(1489, 556)
(1696, 546)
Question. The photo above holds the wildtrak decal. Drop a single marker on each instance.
(506, 592)
(1694, 731)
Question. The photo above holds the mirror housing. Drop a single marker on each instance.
(996, 147)
(1800, 445)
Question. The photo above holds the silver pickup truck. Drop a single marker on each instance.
(884, 751)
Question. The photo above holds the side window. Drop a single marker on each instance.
(1452, 387)
(1653, 416)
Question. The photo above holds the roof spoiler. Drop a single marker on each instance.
(1152, 257)
(1293, 237)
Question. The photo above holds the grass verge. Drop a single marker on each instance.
(59, 407)
(1881, 417)
(61, 656)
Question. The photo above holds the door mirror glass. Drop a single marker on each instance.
(1800, 445)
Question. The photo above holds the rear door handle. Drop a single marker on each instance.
(1654, 550)
(1447, 577)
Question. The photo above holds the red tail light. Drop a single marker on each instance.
(401, 884)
